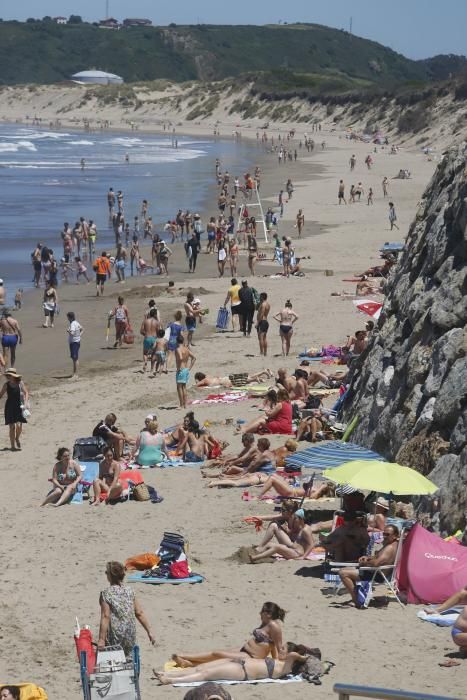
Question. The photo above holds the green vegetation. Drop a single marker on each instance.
(306, 58)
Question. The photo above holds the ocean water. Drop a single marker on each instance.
(42, 184)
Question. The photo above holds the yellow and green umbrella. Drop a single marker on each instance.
(383, 477)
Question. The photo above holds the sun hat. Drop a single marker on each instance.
(11, 372)
(381, 502)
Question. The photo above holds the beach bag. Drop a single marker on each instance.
(141, 562)
(171, 547)
(129, 336)
(89, 449)
(222, 318)
(141, 492)
(179, 569)
(364, 590)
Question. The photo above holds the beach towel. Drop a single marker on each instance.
(444, 619)
(178, 462)
(289, 679)
(224, 397)
(139, 578)
(28, 691)
(330, 454)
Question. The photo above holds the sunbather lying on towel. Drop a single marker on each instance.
(459, 598)
(257, 470)
(239, 669)
(281, 453)
(66, 476)
(334, 380)
(296, 547)
(266, 640)
(367, 287)
(203, 380)
(284, 488)
(378, 270)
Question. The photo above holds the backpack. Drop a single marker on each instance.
(89, 449)
(256, 299)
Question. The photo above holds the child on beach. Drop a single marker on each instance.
(19, 298)
(159, 353)
(81, 270)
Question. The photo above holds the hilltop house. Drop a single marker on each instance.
(60, 20)
(109, 23)
(130, 22)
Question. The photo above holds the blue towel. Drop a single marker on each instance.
(138, 576)
(444, 619)
(90, 471)
(331, 454)
(266, 468)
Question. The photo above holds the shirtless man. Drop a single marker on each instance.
(149, 328)
(262, 323)
(300, 222)
(195, 449)
(236, 464)
(358, 343)
(288, 382)
(184, 361)
(299, 394)
(191, 314)
(2, 293)
(260, 457)
(11, 336)
(203, 380)
(385, 556)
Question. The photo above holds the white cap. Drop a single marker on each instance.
(1, 281)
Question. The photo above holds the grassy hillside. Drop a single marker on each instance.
(43, 52)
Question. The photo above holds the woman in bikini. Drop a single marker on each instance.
(66, 476)
(240, 669)
(296, 547)
(265, 640)
(108, 480)
(286, 318)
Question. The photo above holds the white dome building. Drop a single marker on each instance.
(96, 77)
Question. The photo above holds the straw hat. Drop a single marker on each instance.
(11, 372)
(381, 502)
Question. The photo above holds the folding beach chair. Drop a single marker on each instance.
(387, 573)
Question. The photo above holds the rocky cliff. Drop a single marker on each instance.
(410, 387)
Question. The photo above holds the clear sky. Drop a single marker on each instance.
(415, 28)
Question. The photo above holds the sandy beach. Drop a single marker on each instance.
(55, 558)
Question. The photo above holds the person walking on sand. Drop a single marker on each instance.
(191, 314)
(300, 222)
(286, 317)
(11, 336)
(149, 329)
(102, 269)
(352, 162)
(393, 216)
(184, 361)
(75, 330)
(17, 400)
(370, 196)
(341, 193)
(235, 304)
(384, 185)
(262, 323)
(122, 321)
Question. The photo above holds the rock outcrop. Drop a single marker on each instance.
(410, 386)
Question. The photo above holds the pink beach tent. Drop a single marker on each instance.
(431, 569)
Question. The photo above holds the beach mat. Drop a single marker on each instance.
(331, 454)
(291, 679)
(444, 619)
(137, 577)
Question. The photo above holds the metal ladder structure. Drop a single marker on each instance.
(249, 204)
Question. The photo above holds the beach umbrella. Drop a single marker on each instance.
(370, 307)
(383, 477)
